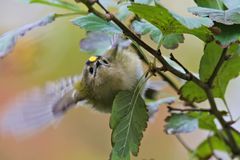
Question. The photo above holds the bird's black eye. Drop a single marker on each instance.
(91, 70)
(105, 61)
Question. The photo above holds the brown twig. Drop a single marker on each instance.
(170, 109)
(217, 68)
(184, 144)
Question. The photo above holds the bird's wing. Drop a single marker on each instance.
(33, 110)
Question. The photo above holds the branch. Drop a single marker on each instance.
(217, 68)
(226, 127)
(184, 144)
(170, 109)
(186, 76)
(180, 64)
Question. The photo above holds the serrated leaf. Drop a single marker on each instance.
(169, 22)
(92, 22)
(216, 4)
(100, 42)
(57, 3)
(229, 34)
(228, 17)
(180, 123)
(214, 143)
(143, 28)
(9, 39)
(170, 41)
(192, 92)
(229, 70)
(231, 3)
(189, 122)
(205, 120)
(206, 148)
(128, 121)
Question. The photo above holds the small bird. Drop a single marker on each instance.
(102, 78)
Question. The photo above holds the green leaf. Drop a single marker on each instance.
(189, 122)
(228, 17)
(9, 39)
(205, 120)
(57, 3)
(229, 70)
(169, 22)
(216, 4)
(209, 60)
(128, 121)
(205, 149)
(180, 123)
(192, 92)
(92, 22)
(229, 34)
(236, 136)
(143, 28)
(170, 41)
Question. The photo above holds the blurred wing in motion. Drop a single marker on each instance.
(39, 108)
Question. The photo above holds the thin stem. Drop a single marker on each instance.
(180, 64)
(228, 110)
(184, 144)
(218, 67)
(170, 109)
(224, 124)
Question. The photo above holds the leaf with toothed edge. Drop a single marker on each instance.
(169, 22)
(213, 143)
(230, 69)
(170, 41)
(128, 121)
(92, 22)
(228, 17)
(189, 122)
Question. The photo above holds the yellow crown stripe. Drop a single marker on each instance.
(93, 58)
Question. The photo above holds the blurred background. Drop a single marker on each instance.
(52, 52)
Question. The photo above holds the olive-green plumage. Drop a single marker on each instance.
(102, 78)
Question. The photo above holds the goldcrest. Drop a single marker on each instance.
(101, 80)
